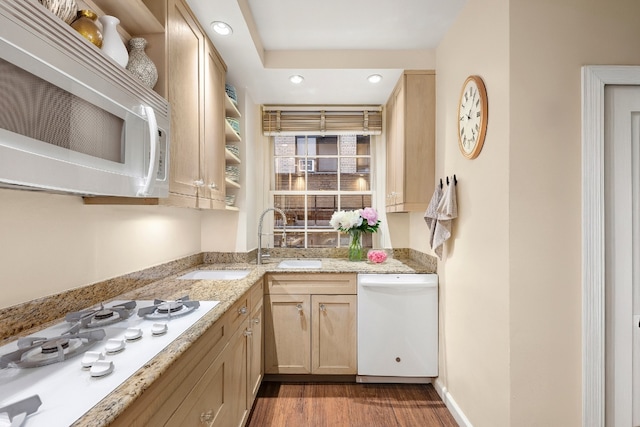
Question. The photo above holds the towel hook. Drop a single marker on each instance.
(441, 183)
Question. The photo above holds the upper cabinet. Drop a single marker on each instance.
(410, 139)
(191, 76)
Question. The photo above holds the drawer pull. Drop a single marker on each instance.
(206, 417)
(299, 307)
(242, 310)
(248, 332)
(323, 307)
(256, 320)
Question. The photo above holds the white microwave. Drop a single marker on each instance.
(71, 119)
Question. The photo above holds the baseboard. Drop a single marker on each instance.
(451, 404)
(309, 378)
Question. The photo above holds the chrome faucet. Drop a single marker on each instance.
(284, 233)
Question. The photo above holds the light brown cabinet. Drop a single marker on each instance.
(310, 324)
(255, 348)
(191, 76)
(214, 382)
(195, 76)
(410, 138)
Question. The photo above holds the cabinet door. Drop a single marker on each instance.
(236, 388)
(334, 334)
(287, 334)
(254, 359)
(398, 147)
(185, 69)
(208, 401)
(213, 157)
(390, 135)
(419, 141)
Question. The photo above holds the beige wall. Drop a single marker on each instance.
(510, 280)
(51, 243)
(474, 279)
(545, 197)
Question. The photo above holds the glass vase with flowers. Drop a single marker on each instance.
(355, 223)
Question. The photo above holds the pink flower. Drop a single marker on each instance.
(377, 256)
(370, 215)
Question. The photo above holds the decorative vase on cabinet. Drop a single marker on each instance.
(140, 65)
(67, 10)
(112, 44)
(85, 25)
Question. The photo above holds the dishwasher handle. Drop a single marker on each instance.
(397, 287)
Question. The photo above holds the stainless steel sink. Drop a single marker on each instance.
(215, 275)
(300, 263)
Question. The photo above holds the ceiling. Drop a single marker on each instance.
(333, 44)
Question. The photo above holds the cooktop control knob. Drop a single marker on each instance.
(159, 329)
(114, 346)
(101, 368)
(91, 357)
(133, 334)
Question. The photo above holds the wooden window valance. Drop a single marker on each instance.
(295, 120)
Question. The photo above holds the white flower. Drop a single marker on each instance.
(345, 220)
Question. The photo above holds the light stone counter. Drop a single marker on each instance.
(22, 320)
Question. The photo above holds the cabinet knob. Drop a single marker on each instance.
(299, 307)
(213, 186)
(198, 183)
(248, 332)
(323, 307)
(206, 417)
(242, 310)
(256, 320)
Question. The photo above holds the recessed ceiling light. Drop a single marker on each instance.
(296, 79)
(374, 78)
(221, 28)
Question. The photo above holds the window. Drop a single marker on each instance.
(313, 177)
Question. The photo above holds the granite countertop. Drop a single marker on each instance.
(168, 286)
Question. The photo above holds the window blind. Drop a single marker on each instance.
(317, 120)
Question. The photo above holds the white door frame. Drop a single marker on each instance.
(594, 79)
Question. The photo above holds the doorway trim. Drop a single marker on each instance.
(594, 80)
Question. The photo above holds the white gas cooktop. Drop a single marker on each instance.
(67, 389)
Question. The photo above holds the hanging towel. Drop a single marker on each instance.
(447, 211)
(431, 214)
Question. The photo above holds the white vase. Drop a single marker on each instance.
(112, 44)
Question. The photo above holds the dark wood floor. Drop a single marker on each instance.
(348, 405)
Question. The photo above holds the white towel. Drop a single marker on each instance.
(447, 211)
(431, 214)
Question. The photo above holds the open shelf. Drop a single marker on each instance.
(231, 184)
(231, 158)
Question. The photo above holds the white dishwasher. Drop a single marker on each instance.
(397, 327)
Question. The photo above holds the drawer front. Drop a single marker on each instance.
(238, 312)
(312, 283)
(256, 294)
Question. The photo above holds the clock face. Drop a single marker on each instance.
(472, 117)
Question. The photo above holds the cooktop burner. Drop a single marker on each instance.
(167, 309)
(102, 316)
(34, 352)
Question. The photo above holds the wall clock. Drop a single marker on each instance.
(472, 117)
